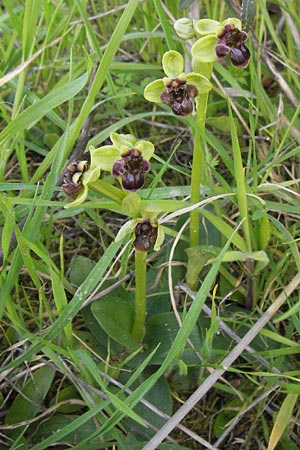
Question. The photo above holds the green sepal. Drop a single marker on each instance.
(200, 82)
(206, 26)
(154, 90)
(104, 157)
(204, 49)
(122, 139)
(173, 63)
(79, 199)
(128, 227)
(90, 175)
(160, 238)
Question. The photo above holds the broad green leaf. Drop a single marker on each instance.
(161, 330)
(29, 402)
(260, 256)
(81, 267)
(115, 315)
(198, 257)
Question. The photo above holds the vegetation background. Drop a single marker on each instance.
(71, 72)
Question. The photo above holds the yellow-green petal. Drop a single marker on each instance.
(154, 90)
(200, 81)
(206, 26)
(173, 63)
(204, 49)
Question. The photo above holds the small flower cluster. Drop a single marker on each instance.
(127, 158)
(216, 40)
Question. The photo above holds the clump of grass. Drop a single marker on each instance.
(205, 368)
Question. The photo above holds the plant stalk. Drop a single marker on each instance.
(199, 168)
(109, 191)
(140, 295)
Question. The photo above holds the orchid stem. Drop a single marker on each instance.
(199, 169)
(109, 191)
(140, 295)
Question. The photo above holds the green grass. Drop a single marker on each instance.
(217, 367)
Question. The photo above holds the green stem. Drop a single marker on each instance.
(199, 168)
(140, 295)
(109, 191)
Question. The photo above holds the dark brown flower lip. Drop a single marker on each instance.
(180, 96)
(231, 42)
(145, 236)
(131, 168)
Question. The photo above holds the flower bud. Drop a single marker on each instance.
(184, 28)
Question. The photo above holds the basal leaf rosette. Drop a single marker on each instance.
(219, 39)
(177, 89)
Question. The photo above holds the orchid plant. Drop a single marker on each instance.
(128, 159)
(187, 94)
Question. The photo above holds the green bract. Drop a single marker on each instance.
(173, 65)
